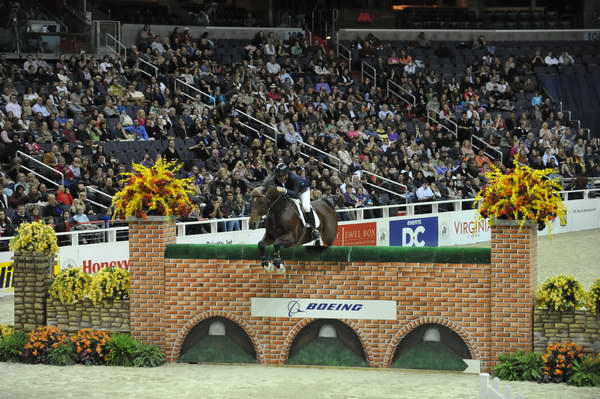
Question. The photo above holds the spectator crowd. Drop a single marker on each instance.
(289, 101)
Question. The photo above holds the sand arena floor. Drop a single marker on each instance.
(573, 253)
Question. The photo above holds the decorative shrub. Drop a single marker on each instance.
(148, 356)
(11, 346)
(70, 286)
(6, 330)
(524, 194)
(154, 191)
(593, 298)
(109, 284)
(35, 237)
(122, 350)
(560, 293)
(559, 360)
(61, 354)
(586, 372)
(519, 366)
(40, 341)
(90, 346)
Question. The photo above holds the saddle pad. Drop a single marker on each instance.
(301, 213)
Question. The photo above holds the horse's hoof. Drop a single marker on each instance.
(281, 269)
(268, 266)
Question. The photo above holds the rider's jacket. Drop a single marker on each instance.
(294, 185)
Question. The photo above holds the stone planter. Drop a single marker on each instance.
(32, 277)
(580, 327)
(108, 316)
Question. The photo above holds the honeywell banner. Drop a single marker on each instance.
(323, 308)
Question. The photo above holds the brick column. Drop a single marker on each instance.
(147, 241)
(513, 282)
(32, 277)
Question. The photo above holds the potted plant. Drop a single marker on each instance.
(522, 195)
(154, 191)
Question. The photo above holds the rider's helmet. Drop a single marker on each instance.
(282, 169)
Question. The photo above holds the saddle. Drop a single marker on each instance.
(301, 213)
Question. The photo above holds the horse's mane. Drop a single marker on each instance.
(268, 192)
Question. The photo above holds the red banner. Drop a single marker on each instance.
(356, 235)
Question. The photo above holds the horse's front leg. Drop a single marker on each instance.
(277, 261)
(262, 250)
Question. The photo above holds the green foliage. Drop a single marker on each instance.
(519, 366)
(11, 346)
(148, 356)
(586, 372)
(327, 352)
(122, 349)
(216, 349)
(430, 356)
(561, 293)
(109, 284)
(61, 354)
(70, 286)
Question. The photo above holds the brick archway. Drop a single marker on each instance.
(457, 328)
(291, 335)
(191, 323)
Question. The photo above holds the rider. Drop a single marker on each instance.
(291, 184)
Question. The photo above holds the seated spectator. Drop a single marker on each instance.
(64, 197)
(551, 60)
(21, 216)
(566, 59)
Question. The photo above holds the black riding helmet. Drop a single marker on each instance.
(282, 169)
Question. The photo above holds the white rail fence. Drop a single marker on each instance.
(114, 45)
(495, 389)
(193, 93)
(369, 71)
(147, 68)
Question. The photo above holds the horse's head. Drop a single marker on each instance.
(260, 205)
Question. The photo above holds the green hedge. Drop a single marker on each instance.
(455, 255)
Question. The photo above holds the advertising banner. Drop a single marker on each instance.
(6, 277)
(356, 235)
(414, 232)
(323, 308)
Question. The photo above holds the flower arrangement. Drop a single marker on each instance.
(40, 341)
(524, 194)
(560, 293)
(559, 360)
(593, 298)
(6, 330)
(154, 191)
(70, 286)
(90, 346)
(35, 237)
(109, 284)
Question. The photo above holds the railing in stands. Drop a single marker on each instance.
(46, 167)
(334, 158)
(142, 63)
(116, 46)
(369, 71)
(40, 176)
(478, 143)
(192, 93)
(433, 114)
(113, 234)
(301, 144)
(395, 89)
(344, 53)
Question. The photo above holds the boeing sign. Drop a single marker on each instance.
(323, 308)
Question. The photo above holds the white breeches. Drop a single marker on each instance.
(305, 200)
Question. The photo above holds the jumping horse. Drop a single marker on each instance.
(283, 225)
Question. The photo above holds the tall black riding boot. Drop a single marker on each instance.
(310, 219)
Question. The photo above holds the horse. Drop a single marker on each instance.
(283, 226)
